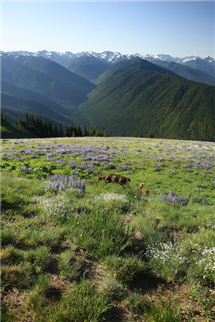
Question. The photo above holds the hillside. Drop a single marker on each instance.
(11, 131)
(46, 78)
(30, 98)
(94, 69)
(141, 97)
(187, 72)
(55, 70)
(15, 107)
(132, 97)
(132, 63)
(202, 65)
(88, 67)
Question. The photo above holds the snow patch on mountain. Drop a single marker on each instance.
(109, 56)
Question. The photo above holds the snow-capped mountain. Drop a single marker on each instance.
(109, 56)
(206, 65)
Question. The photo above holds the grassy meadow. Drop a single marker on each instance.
(77, 250)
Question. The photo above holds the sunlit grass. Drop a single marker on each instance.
(65, 236)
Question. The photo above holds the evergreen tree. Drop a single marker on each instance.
(79, 131)
(93, 132)
(56, 132)
(4, 118)
(27, 120)
(152, 134)
(86, 132)
(45, 129)
(50, 129)
(60, 130)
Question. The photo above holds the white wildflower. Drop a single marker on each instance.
(58, 207)
(111, 197)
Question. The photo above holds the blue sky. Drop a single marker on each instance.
(179, 28)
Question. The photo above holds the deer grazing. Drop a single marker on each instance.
(113, 178)
(143, 190)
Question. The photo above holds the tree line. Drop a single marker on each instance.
(46, 129)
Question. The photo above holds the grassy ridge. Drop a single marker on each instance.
(11, 131)
(77, 250)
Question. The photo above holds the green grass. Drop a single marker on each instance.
(11, 131)
(125, 269)
(108, 246)
(84, 303)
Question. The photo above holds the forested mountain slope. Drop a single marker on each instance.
(139, 98)
(46, 78)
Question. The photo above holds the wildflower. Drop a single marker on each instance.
(174, 199)
(110, 197)
(59, 183)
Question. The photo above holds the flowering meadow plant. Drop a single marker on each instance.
(59, 182)
(168, 258)
(178, 259)
(206, 263)
(66, 236)
(111, 197)
(174, 199)
(57, 208)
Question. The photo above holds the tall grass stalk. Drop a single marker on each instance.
(102, 233)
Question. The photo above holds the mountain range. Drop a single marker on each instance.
(116, 93)
(190, 67)
(109, 56)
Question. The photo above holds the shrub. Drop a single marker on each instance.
(57, 208)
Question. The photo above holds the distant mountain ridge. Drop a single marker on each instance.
(90, 64)
(108, 56)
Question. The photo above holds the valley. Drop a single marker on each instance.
(118, 94)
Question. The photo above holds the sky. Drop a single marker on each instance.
(176, 28)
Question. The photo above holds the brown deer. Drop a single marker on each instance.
(143, 190)
(113, 178)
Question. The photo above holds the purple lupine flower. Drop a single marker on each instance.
(60, 183)
(174, 199)
(170, 196)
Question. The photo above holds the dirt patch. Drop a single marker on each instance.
(178, 295)
(15, 300)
